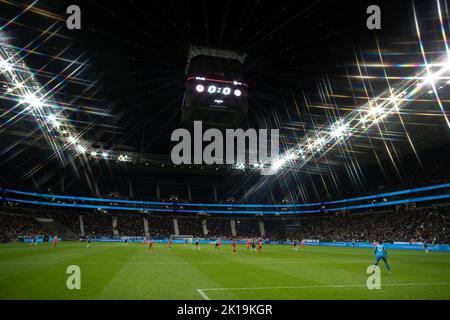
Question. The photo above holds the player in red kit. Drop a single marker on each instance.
(303, 244)
(218, 244)
(259, 245)
(248, 244)
(233, 244)
(150, 245)
(145, 242)
(55, 241)
(170, 244)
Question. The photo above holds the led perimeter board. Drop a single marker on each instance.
(214, 91)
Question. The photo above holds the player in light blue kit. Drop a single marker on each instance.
(381, 253)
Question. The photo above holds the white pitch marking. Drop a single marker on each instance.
(203, 294)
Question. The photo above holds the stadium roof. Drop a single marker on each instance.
(119, 83)
(195, 51)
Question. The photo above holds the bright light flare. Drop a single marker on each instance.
(53, 120)
(258, 165)
(430, 79)
(339, 130)
(81, 149)
(319, 143)
(279, 163)
(72, 140)
(5, 66)
(291, 156)
(375, 110)
(240, 166)
(32, 101)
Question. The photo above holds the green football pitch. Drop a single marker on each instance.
(116, 271)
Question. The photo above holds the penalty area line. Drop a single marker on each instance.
(203, 294)
(206, 297)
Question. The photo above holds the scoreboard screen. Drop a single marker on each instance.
(215, 93)
(214, 90)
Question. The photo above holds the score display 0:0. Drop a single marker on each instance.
(213, 89)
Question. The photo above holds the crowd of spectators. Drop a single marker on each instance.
(160, 227)
(130, 225)
(191, 226)
(218, 228)
(69, 220)
(13, 226)
(420, 225)
(275, 228)
(247, 228)
(98, 224)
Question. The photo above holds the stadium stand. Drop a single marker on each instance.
(247, 228)
(191, 226)
(69, 220)
(219, 228)
(130, 225)
(98, 224)
(14, 226)
(414, 225)
(160, 227)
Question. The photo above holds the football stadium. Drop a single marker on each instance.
(224, 150)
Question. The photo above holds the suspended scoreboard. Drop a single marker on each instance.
(214, 92)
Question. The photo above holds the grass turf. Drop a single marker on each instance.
(114, 271)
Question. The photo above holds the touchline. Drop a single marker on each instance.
(236, 148)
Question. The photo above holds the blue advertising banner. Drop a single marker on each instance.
(400, 246)
(39, 239)
(397, 245)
